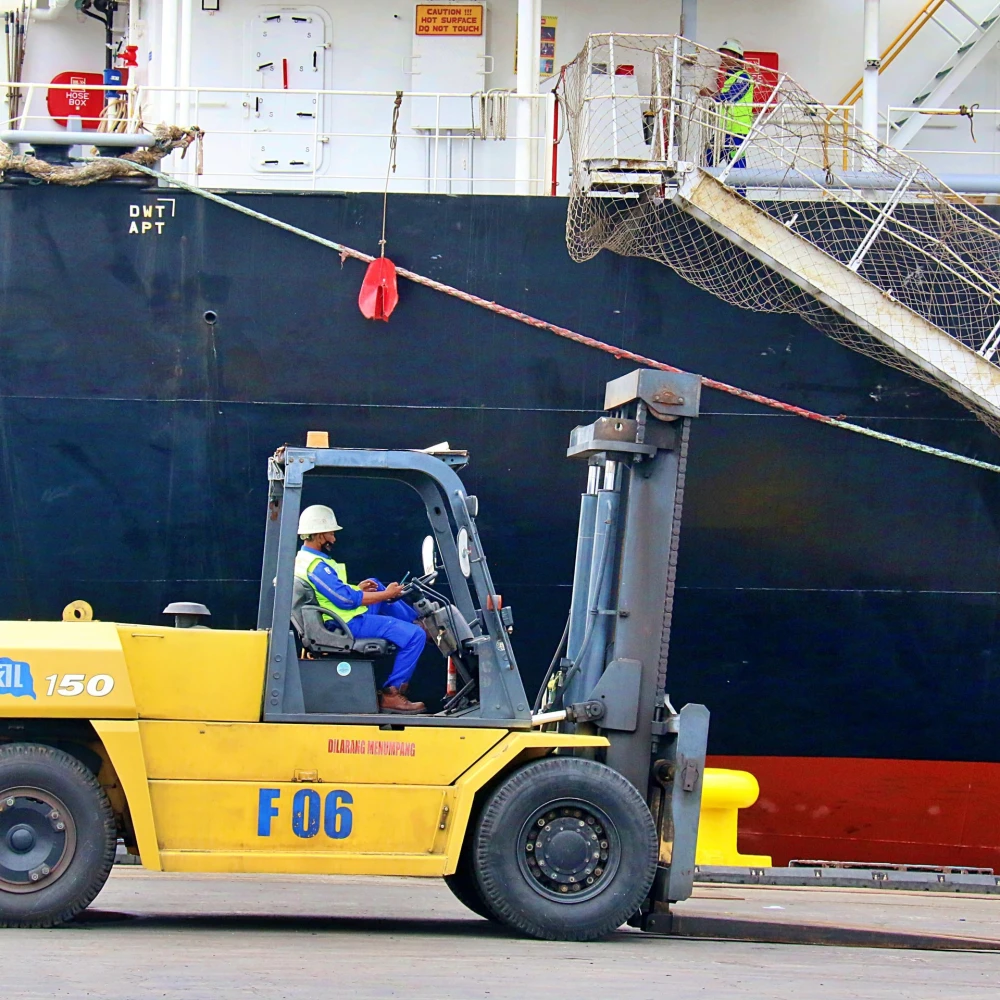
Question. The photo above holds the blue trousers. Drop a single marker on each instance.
(395, 623)
(730, 147)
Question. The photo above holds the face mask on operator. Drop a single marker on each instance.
(327, 547)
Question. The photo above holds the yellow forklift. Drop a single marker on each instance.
(263, 751)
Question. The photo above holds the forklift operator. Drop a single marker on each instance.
(370, 609)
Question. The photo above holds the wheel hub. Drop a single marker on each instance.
(21, 839)
(569, 850)
(37, 839)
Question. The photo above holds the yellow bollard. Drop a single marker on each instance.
(723, 794)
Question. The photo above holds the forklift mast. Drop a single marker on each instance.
(613, 676)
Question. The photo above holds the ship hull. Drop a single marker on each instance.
(837, 597)
(916, 812)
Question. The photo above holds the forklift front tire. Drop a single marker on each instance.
(57, 836)
(565, 849)
(465, 889)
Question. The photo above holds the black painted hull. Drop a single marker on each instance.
(837, 597)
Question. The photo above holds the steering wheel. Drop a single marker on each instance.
(415, 587)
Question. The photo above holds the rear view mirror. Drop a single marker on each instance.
(427, 553)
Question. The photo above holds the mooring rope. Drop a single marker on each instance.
(561, 331)
(167, 139)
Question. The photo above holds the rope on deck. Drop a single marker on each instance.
(561, 331)
(168, 138)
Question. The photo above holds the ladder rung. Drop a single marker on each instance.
(921, 98)
(988, 22)
(943, 73)
(965, 48)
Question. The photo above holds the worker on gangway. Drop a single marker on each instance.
(370, 610)
(734, 97)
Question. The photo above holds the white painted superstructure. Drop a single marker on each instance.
(329, 128)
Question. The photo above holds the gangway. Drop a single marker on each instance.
(815, 217)
(974, 30)
(971, 50)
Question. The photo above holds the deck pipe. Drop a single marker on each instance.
(689, 20)
(863, 180)
(529, 30)
(37, 137)
(873, 62)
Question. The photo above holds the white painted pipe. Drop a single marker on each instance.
(48, 13)
(184, 74)
(862, 180)
(689, 19)
(40, 137)
(528, 38)
(168, 61)
(869, 93)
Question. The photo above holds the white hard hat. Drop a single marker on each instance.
(317, 519)
(733, 45)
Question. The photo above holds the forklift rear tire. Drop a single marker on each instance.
(565, 850)
(57, 836)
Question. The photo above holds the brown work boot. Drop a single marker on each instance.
(394, 702)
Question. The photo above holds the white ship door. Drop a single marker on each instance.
(286, 52)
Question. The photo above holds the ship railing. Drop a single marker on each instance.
(636, 138)
(639, 105)
(446, 142)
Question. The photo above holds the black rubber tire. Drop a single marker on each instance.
(58, 773)
(508, 891)
(464, 886)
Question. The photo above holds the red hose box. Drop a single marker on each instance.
(763, 68)
(78, 99)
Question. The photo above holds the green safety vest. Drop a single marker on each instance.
(304, 563)
(737, 116)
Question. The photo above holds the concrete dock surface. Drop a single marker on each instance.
(206, 937)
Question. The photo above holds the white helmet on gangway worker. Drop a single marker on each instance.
(317, 520)
(733, 45)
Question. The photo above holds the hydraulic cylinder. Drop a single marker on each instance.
(581, 572)
(589, 656)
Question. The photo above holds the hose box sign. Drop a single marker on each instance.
(76, 94)
(449, 19)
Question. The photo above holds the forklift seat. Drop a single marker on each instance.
(309, 621)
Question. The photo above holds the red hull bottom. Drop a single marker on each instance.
(857, 809)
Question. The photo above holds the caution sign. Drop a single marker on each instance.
(451, 20)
